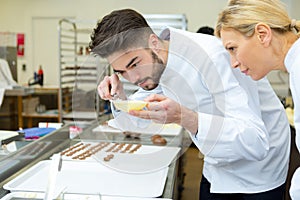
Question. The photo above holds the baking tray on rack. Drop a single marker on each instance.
(90, 178)
(126, 157)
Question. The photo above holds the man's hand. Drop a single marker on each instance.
(164, 110)
(110, 86)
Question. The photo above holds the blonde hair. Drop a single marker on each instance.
(243, 15)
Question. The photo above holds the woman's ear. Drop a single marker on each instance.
(263, 33)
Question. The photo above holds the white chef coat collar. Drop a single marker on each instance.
(292, 53)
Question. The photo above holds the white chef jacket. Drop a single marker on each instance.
(243, 130)
(292, 63)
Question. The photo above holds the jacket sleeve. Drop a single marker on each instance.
(234, 130)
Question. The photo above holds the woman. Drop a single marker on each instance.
(260, 37)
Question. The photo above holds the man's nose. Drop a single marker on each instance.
(132, 76)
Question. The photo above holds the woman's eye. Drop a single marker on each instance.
(231, 49)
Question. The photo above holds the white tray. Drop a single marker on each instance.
(90, 178)
(151, 129)
(106, 129)
(37, 196)
(145, 159)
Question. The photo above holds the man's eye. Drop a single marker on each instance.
(134, 65)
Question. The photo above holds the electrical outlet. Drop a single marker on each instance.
(24, 67)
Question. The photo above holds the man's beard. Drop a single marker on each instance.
(158, 67)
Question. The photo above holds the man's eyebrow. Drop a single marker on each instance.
(132, 61)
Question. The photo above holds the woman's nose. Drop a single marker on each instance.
(234, 63)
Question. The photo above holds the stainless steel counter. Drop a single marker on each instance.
(17, 162)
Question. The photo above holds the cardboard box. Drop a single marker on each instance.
(30, 104)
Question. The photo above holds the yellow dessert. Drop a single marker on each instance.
(128, 105)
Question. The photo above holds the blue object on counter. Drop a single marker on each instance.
(35, 133)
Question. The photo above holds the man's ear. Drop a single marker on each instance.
(154, 42)
(263, 33)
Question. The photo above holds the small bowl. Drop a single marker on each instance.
(128, 105)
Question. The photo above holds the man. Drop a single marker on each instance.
(245, 140)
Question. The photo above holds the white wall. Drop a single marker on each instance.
(294, 9)
(24, 16)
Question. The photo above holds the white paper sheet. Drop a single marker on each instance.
(145, 159)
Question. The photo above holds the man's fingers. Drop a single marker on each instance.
(114, 81)
(156, 116)
(155, 97)
(154, 106)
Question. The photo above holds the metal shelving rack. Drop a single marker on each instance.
(160, 21)
(79, 72)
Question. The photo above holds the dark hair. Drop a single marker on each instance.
(120, 30)
(206, 30)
